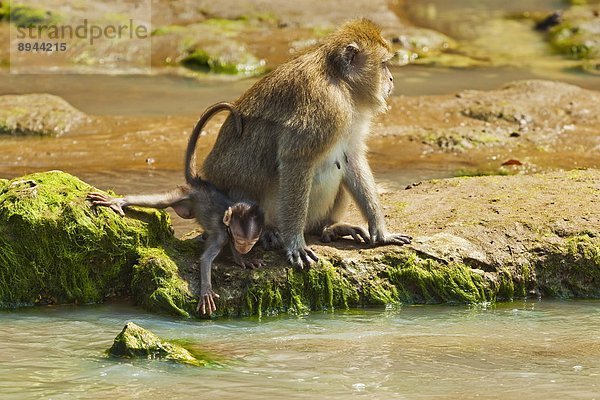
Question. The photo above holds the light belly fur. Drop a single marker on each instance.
(325, 185)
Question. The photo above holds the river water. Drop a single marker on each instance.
(533, 350)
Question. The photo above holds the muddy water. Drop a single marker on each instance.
(142, 124)
(527, 350)
(533, 350)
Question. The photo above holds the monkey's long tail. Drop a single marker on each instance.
(190, 155)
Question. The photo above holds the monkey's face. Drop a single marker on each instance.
(360, 56)
(243, 244)
(244, 224)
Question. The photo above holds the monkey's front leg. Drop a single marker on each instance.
(360, 182)
(292, 201)
(207, 294)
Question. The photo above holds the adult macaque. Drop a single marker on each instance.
(303, 150)
(239, 223)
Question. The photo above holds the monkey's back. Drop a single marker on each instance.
(209, 205)
(286, 115)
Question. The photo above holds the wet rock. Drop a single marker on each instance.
(546, 114)
(137, 342)
(578, 34)
(414, 44)
(37, 114)
(213, 46)
(475, 240)
(56, 249)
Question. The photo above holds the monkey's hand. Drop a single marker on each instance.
(114, 203)
(336, 231)
(250, 264)
(382, 237)
(207, 300)
(301, 257)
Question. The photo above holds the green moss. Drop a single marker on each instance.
(577, 35)
(471, 172)
(136, 342)
(428, 281)
(168, 29)
(55, 248)
(22, 15)
(271, 291)
(506, 288)
(202, 61)
(572, 269)
(157, 285)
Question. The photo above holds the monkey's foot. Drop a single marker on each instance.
(382, 239)
(271, 240)
(336, 231)
(301, 257)
(99, 199)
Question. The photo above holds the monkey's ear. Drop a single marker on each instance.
(350, 53)
(227, 217)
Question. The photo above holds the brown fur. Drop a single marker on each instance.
(306, 117)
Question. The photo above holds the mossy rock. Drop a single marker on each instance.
(157, 285)
(38, 114)
(477, 239)
(137, 342)
(54, 248)
(214, 46)
(578, 34)
(236, 61)
(23, 15)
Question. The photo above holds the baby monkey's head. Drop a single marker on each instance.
(244, 222)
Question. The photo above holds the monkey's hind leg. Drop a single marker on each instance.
(332, 230)
(336, 231)
(270, 239)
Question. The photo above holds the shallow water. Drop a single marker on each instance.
(533, 350)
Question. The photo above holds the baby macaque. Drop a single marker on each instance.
(224, 221)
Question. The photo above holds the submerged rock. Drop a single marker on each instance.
(137, 342)
(475, 240)
(37, 114)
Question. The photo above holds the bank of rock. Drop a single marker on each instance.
(475, 240)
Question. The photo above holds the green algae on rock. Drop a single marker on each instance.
(235, 61)
(23, 15)
(54, 248)
(37, 114)
(221, 50)
(476, 239)
(157, 285)
(578, 34)
(137, 342)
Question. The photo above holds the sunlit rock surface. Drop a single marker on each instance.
(476, 240)
(37, 114)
